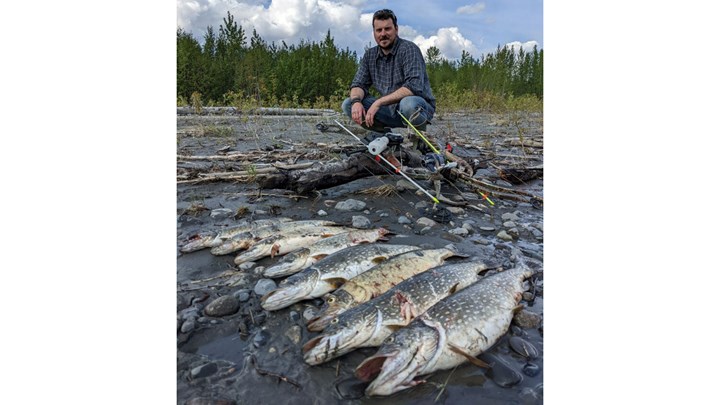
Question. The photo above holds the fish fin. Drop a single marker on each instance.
(379, 260)
(336, 281)
(472, 359)
(518, 308)
(274, 250)
(320, 256)
(454, 288)
(395, 328)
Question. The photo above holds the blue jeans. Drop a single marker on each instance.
(414, 108)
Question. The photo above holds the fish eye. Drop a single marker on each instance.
(330, 300)
(390, 339)
(335, 320)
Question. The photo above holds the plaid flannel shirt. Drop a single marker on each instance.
(404, 66)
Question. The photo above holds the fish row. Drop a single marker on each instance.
(435, 320)
(309, 241)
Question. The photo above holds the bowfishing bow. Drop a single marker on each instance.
(375, 148)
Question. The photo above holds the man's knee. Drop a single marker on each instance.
(414, 108)
(346, 107)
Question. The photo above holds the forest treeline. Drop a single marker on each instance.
(231, 69)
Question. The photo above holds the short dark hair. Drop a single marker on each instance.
(384, 14)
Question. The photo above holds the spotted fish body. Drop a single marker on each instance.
(330, 273)
(368, 324)
(211, 239)
(247, 239)
(453, 331)
(376, 281)
(306, 257)
(289, 241)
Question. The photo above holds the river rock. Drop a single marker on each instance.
(264, 286)
(350, 205)
(426, 222)
(504, 236)
(221, 306)
(459, 231)
(509, 224)
(221, 213)
(187, 326)
(531, 369)
(404, 220)
(322, 213)
(526, 319)
(510, 216)
(204, 370)
(242, 295)
(261, 338)
(360, 222)
(523, 347)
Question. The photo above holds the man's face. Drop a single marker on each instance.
(385, 33)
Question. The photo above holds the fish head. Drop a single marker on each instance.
(232, 245)
(335, 304)
(289, 264)
(343, 334)
(291, 290)
(400, 358)
(197, 242)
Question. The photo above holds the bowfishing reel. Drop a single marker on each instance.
(378, 143)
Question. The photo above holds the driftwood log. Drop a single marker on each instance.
(325, 175)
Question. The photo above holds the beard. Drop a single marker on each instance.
(389, 45)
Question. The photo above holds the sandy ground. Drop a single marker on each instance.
(254, 356)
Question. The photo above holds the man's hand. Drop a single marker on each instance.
(370, 114)
(358, 111)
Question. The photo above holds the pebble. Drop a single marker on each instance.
(504, 236)
(187, 326)
(514, 232)
(487, 228)
(322, 213)
(221, 213)
(309, 313)
(189, 313)
(350, 205)
(351, 388)
(246, 266)
(264, 286)
(523, 347)
(424, 221)
(501, 373)
(242, 295)
(421, 205)
(294, 316)
(404, 220)
(510, 216)
(225, 305)
(509, 224)
(456, 210)
(294, 333)
(527, 320)
(205, 370)
(261, 338)
(459, 231)
(531, 369)
(360, 222)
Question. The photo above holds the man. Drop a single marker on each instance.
(396, 68)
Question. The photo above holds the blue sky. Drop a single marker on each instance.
(477, 27)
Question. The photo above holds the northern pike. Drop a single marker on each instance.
(368, 324)
(288, 241)
(306, 257)
(376, 281)
(211, 239)
(246, 239)
(453, 331)
(330, 273)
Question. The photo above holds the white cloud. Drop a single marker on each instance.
(449, 41)
(471, 9)
(310, 20)
(526, 46)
